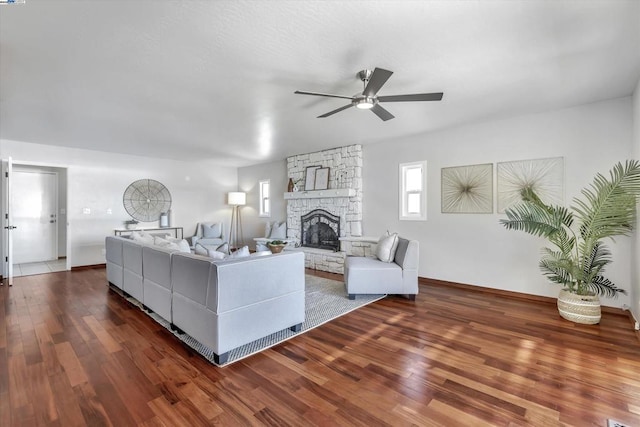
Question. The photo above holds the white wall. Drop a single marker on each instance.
(97, 180)
(248, 177)
(474, 248)
(635, 253)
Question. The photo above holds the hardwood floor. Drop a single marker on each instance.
(74, 353)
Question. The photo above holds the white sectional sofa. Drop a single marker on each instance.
(223, 304)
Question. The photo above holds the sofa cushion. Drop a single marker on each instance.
(387, 246)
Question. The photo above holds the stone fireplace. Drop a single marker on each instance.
(321, 230)
(318, 220)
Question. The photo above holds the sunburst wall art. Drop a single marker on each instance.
(467, 189)
(545, 176)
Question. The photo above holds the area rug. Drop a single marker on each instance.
(325, 300)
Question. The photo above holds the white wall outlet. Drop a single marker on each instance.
(86, 211)
(109, 211)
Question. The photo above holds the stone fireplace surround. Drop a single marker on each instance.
(343, 198)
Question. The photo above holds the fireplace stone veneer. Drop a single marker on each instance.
(345, 173)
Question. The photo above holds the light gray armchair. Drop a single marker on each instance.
(208, 234)
(365, 275)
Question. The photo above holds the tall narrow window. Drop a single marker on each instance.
(265, 205)
(413, 191)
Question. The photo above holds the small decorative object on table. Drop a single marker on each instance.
(131, 224)
(276, 246)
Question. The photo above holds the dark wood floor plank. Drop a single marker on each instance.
(75, 352)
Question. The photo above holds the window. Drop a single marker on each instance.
(413, 194)
(265, 205)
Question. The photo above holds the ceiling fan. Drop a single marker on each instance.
(369, 99)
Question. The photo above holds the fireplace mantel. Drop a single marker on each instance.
(319, 194)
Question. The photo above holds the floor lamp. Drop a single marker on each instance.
(236, 199)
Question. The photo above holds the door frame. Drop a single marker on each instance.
(5, 207)
(21, 168)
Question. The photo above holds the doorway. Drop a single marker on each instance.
(38, 201)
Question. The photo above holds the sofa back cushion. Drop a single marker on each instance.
(190, 276)
(156, 265)
(407, 254)
(132, 257)
(113, 247)
(245, 281)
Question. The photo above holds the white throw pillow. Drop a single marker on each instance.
(160, 241)
(240, 253)
(387, 246)
(142, 237)
(224, 248)
(279, 231)
(217, 255)
(200, 250)
(182, 244)
(211, 230)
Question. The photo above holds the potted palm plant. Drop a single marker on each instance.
(578, 260)
(276, 246)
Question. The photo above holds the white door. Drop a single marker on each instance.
(8, 221)
(34, 198)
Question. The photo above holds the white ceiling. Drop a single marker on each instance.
(215, 79)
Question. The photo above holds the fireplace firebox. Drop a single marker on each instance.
(320, 229)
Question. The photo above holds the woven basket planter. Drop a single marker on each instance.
(276, 249)
(583, 309)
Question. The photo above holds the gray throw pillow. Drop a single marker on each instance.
(211, 231)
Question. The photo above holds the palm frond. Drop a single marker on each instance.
(557, 267)
(602, 286)
(609, 207)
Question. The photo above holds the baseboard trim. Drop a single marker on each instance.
(508, 294)
(88, 267)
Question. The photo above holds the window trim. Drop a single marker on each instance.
(262, 212)
(403, 214)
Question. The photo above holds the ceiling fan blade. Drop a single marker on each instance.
(378, 78)
(382, 113)
(328, 95)
(335, 111)
(437, 96)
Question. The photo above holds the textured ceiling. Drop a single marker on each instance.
(215, 79)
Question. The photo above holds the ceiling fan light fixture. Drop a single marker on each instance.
(365, 103)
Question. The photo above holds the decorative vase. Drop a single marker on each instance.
(295, 188)
(290, 186)
(583, 309)
(276, 249)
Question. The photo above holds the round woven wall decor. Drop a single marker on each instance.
(146, 199)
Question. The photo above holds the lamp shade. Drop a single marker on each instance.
(237, 198)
